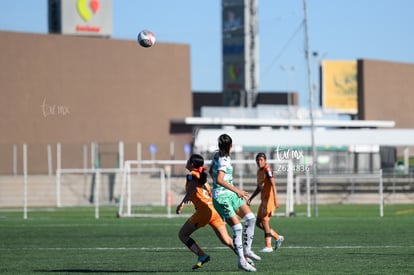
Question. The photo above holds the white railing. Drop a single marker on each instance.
(292, 198)
(352, 177)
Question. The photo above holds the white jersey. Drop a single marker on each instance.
(221, 164)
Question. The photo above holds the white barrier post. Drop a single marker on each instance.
(308, 195)
(139, 153)
(58, 167)
(49, 159)
(172, 150)
(129, 188)
(14, 159)
(163, 188)
(85, 156)
(25, 181)
(124, 179)
(167, 170)
(381, 195)
(121, 155)
(289, 190)
(297, 191)
(96, 192)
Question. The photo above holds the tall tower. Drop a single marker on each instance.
(240, 52)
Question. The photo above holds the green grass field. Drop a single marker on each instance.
(346, 239)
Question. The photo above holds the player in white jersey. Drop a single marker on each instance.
(230, 202)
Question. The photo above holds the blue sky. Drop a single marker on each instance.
(338, 30)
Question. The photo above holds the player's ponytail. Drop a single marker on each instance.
(203, 177)
(224, 143)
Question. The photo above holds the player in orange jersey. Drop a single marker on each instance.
(198, 192)
(267, 186)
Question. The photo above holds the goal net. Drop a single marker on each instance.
(143, 192)
(151, 188)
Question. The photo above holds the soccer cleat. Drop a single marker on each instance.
(279, 242)
(249, 261)
(253, 256)
(246, 266)
(201, 260)
(266, 250)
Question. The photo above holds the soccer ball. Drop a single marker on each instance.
(146, 38)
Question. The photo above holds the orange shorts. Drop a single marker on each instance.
(206, 215)
(265, 211)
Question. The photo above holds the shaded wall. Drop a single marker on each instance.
(386, 92)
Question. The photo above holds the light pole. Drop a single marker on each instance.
(314, 152)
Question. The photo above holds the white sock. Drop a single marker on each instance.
(250, 222)
(238, 240)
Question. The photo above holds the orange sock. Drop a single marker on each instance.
(274, 234)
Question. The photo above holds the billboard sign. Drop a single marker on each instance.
(81, 17)
(340, 86)
(240, 50)
(233, 29)
(233, 20)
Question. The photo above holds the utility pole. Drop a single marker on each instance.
(311, 101)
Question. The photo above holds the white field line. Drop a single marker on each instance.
(97, 225)
(210, 248)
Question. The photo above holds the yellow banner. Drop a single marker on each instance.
(339, 86)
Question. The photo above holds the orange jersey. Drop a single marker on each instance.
(202, 193)
(203, 203)
(263, 178)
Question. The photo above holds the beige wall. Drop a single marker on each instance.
(76, 90)
(386, 92)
